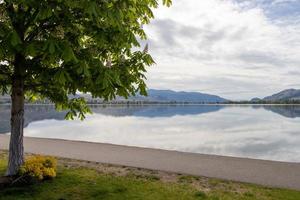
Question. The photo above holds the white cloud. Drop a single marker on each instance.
(283, 1)
(224, 48)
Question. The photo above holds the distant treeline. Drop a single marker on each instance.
(136, 102)
(191, 103)
(265, 102)
(150, 102)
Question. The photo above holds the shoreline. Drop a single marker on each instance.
(262, 172)
(167, 104)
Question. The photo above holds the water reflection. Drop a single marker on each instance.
(44, 112)
(286, 111)
(155, 110)
(32, 114)
(265, 132)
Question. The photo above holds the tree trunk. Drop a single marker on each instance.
(16, 149)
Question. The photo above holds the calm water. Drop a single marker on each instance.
(263, 132)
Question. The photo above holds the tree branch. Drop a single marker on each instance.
(10, 11)
(31, 86)
(42, 27)
(31, 18)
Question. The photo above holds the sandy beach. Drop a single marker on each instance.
(268, 173)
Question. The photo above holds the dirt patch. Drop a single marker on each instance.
(201, 183)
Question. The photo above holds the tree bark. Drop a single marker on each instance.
(16, 149)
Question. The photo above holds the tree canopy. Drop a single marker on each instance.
(61, 47)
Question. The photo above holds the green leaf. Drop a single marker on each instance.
(45, 13)
(66, 43)
(31, 50)
(69, 116)
(15, 39)
(68, 54)
(60, 77)
(51, 47)
(167, 2)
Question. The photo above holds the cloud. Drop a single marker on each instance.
(218, 46)
(273, 8)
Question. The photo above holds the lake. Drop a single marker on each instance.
(261, 132)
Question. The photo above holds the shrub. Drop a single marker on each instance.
(39, 167)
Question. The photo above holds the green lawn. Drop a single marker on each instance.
(83, 180)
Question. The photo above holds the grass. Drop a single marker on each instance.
(86, 180)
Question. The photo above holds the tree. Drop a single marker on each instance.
(54, 48)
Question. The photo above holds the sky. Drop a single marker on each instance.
(238, 49)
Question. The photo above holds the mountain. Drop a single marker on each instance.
(160, 96)
(290, 94)
(166, 96)
(172, 96)
(256, 99)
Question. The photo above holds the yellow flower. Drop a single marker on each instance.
(39, 167)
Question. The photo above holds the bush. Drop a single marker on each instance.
(39, 167)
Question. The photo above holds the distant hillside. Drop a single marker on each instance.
(256, 99)
(169, 96)
(166, 96)
(161, 96)
(290, 94)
